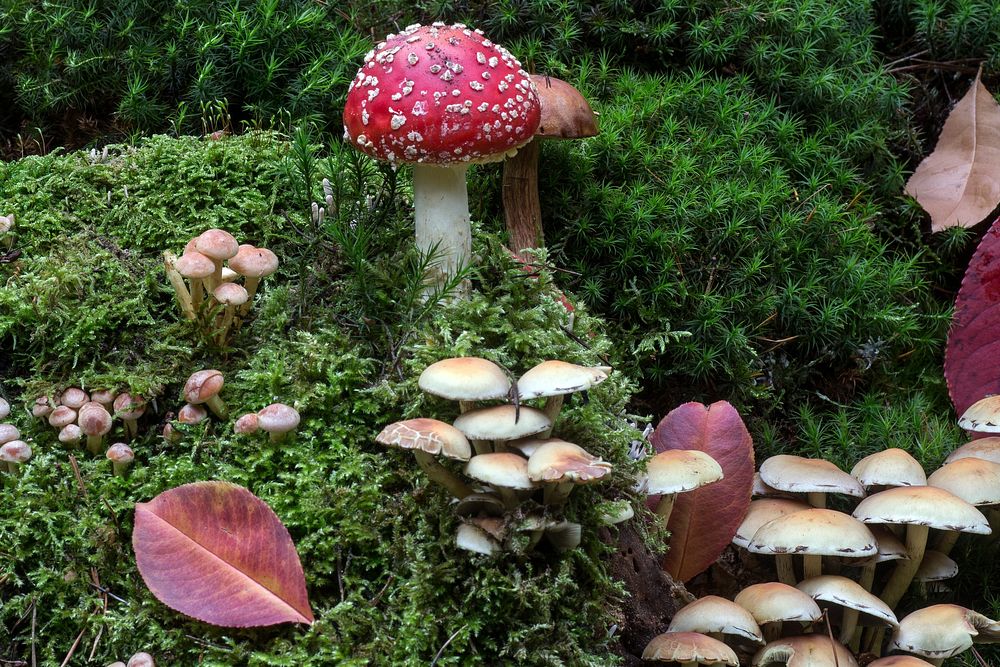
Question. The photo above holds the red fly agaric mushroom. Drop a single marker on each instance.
(278, 420)
(217, 245)
(130, 408)
(231, 296)
(441, 97)
(254, 264)
(204, 387)
(566, 114)
(14, 453)
(121, 456)
(95, 422)
(196, 267)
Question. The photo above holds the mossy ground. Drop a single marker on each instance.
(87, 303)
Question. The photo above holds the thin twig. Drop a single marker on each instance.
(76, 642)
(833, 643)
(34, 616)
(378, 597)
(76, 473)
(445, 645)
(108, 593)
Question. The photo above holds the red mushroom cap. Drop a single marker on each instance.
(440, 94)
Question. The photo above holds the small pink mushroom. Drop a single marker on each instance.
(130, 408)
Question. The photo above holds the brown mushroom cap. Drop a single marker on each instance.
(498, 423)
(890, 467)
(529, 445)
(194, 265)
(247, 424)
(192, 414)
(976, 481)
(936, 566)
(715, 614)
(129, 406)
(465, 379)
(899, 661)
(120, 453)
(689, 647)
(943, 631)
(216, 244)
(555, 378)
(922, 506)
(203, 385)
(103, 396)
(561, 461)
(500, 469)
(773, 601)
(70, 434)
(41, 408)
(982, 448)
(427, 435)
(890, 547)
(230, 294)
(817, 650)
(679, 470)
(15, 451)
(849, 594)
(566, 113)
(9, 432)
(801, 475)
(278, 418)
(62, 416)
(94, 420)
(141, 659)
(254, 262)
(817, 532)
(762, 511)
(74, 397)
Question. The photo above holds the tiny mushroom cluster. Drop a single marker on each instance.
(140, 659)
(80, 416)
(201, 395)
(211, 294)
(507, 449)
(277, 420)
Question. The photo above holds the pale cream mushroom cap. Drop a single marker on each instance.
(564, 535)
(679, 470)
(890, 467)
(497, 423)
(120, 453)
(922, 506)
(465, 379)
(133, 406)
(193, 414)
(231, 294)
(774, 601)
(194, 265)
(501, 469)
(982, 448)
(94, 420)
(9, 432)
(817, 650)
(216, 244)
(847, 593)
(762, 511)
(278, 418)
(715, 614)
(943, 631)
(761, 489)
(555, 378)
(616, 512)
(428, 435)
(561, 461)
(527, 446)
(70, 434)
(983, 416)
(899, 661)
(890, 547)
(801, 475)
(475, 539)
(936, 566)
(816, 532)
(976, 481)
(689, 647)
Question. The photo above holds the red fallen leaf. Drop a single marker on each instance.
(215, 551)
(972, 356)
(704, 521)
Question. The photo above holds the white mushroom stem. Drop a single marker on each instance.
(465, 406)
(250, 284)
(665, 507)
(916, 543)
(441, 212)
(120, 468)
(197, 293)
(438, 473)
(177, 281)
(553, 404)
(771, 631)
(866, 580)
(227, 321)
(216, 405)
(556, 493)
(95, 444)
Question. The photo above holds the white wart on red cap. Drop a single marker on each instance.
(561, 461)
(498, 423)
(801, 475)
(715, 614)
(465, 379)
(943, 631)
(686, 647)
(890, 467)
(440, 94)
(982, 416)
(427, 435)
(555, 378)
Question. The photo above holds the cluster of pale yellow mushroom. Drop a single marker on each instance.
(207, 290)
(840, 553)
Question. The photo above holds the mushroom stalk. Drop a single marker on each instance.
(553, 405)
(95, 443)
(817, 499)
(441, 212)
(227, 321)
(438, 473)
(665, 507)
(916, 542)
(946, 541)
(177, 281)
(556, 493)
(197, 293)
(812, 566)
(866, 580)
(250, 283)
(216, 405)
(521, 206)
(786, 568)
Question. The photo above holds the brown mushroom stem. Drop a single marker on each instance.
(177, 281)
(817, 499)
(812, 566)
(946, 541)
(522, 208)
(916, 543)
(216, 405)
(665, 507)
(250, 285)
(993, 516)
(866, 580)
(509, 496)
(438, 473)
(553, 404)
(771, 631)
(465, 406)
(95, 444)
(131, 430)
(786, 569)
(441, 220)
(481, 446)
